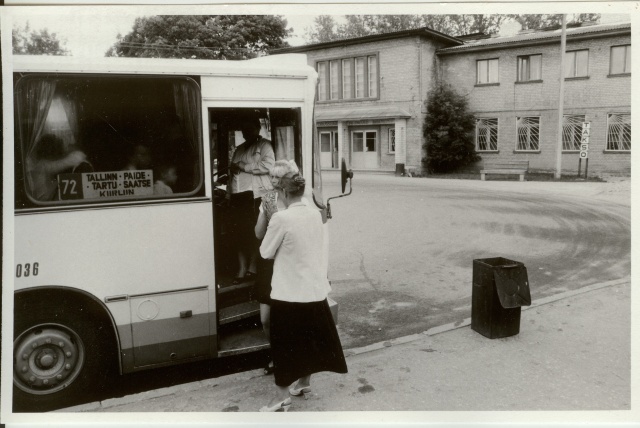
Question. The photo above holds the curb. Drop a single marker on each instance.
(162, 392)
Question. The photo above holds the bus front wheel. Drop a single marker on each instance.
(58, 359)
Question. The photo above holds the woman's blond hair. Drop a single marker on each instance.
(284, 167)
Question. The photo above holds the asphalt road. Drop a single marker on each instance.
(402, 249)
(401, 253)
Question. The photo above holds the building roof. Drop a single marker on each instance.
(424, 31)
(539, 37)
(373, 112)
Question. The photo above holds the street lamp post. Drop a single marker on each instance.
(563, 47)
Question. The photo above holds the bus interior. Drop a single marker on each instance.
(239, 327)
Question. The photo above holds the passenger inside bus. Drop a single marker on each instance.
(167, 178)
(250, 166)
(51, 158)
(140, 158)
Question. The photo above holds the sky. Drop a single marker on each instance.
(103, 32)
(90, 35)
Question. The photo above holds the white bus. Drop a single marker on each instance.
(110, 276)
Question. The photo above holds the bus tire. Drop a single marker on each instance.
(61, 356)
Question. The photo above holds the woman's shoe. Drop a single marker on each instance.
(269, 369)
(282, 406)
(300, 391)
(237, 280)
(250, 276)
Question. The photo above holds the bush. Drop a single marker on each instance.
(448, 131)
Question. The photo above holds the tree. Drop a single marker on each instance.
(448, 131)
(202, 36)
(536, 22)
(37, 42)
(364, 25)
(323, 29)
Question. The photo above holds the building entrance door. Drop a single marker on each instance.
(329, 149)
(364, 145)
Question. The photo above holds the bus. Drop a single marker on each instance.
(110, 275)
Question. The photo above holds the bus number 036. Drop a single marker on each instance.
(27, 270)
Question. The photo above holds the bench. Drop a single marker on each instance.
(505, 167)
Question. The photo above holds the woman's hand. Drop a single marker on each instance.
(269, 207)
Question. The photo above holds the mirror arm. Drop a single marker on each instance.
(339, 196)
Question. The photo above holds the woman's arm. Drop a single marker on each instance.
(71, 160)
(273, 238)
(261, 225)
(266, 162)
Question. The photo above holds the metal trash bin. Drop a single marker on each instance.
(500, 289)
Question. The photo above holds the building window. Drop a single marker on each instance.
(348, 78)
(364, 141)
(360, 82)
(572, 131)
(620, 59)
(487, 134)
(372, 64)
(529, 68)
(392, 140)
(528, 133)
(619, 131)
(322, 81)
(487, 71)
(334, 79)
(576, 64)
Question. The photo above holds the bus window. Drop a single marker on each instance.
(88, 139)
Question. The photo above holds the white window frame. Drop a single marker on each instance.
(529, 149)
(626, 144)
(364, 140)
(334, 79)
(330, 140)
(480, 121)
(626, 68)
(524, 73)
(322, 80)
(575, 64)
(347, 81)
(488, 61)
(391, 143)
(572, 127)
(372, 76)
(360, 94)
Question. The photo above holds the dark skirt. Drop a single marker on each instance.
(262, 287)
(244, 209)
(304, 341)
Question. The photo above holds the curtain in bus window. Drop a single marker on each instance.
(34, 109)
(284, 144)
(187, 111)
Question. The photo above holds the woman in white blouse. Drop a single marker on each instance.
(304, 339)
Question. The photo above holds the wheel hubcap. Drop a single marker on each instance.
(47, 359)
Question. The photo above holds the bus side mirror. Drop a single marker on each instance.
(344, 175)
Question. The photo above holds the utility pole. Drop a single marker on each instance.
(563, 48)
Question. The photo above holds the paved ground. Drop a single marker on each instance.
(401, 249)
(572, 353)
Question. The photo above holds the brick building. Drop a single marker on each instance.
(371, 93)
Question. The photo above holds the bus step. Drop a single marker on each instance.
(248, 338)
(238, 312)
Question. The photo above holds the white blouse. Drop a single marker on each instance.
(295, 239)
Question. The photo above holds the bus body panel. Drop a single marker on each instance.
(252, 88)
(164, 248)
